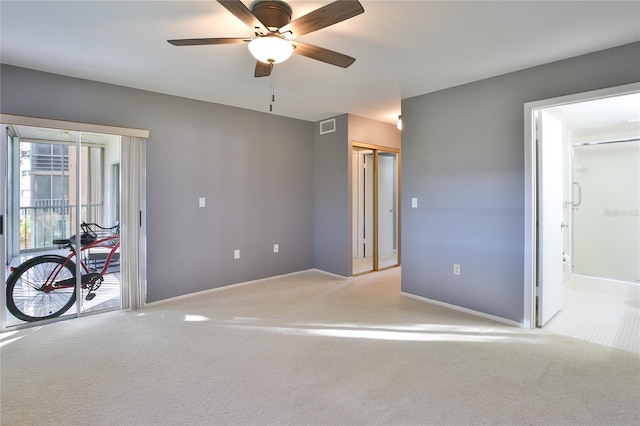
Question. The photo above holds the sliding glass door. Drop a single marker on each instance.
(99, 153)
(64, 195)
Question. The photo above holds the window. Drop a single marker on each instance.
(49, 157)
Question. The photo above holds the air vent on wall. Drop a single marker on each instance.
(327, 126)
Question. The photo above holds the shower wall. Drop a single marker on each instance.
(606, 222)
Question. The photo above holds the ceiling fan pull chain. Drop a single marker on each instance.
(272, 96)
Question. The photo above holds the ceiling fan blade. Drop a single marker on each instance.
(327, 15)
(322, 54)
(263, 69)
(243, 13)
(205, 41)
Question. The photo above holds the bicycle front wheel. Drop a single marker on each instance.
(32, 292)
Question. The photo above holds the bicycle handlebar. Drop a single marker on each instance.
(88, 228)
(89, 234)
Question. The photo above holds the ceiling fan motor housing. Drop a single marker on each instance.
(273, 14)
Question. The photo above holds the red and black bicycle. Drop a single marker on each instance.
(45, 286)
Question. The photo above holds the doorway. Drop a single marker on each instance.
(375, 195)
(57, 178)
(588, 241)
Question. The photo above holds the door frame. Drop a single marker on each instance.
(376, 149)
(4, 180)
(531, 241)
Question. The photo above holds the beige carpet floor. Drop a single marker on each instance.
(309, 349)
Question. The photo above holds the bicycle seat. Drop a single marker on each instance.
(85, 239)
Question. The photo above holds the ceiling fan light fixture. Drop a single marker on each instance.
(270, 49)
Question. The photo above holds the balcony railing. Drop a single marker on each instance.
(41, 224)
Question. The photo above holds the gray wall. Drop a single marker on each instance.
(463, 158)
(332, 199)
(255, 170)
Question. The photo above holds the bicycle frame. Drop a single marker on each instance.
(106, 242)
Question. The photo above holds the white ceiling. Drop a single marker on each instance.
(403, 48)
(616, 114)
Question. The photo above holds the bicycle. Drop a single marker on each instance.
(45, 286)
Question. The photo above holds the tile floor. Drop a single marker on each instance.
(600, 311)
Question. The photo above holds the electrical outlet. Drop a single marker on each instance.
(276, 248)
(236, 254)
(456, 269)
(414, 203)
(202, 202)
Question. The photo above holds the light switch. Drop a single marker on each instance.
(414, 203)
(202, 202)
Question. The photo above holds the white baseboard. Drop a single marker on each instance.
(628, 289)
(465, 310)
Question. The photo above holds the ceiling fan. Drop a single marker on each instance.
(275, 32)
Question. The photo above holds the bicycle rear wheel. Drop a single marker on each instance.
(30, 296)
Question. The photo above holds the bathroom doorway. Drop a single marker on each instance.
(588, 273)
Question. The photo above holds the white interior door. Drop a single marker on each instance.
(362, 163)
(550, 216)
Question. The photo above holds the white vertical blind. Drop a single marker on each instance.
(134, 286)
